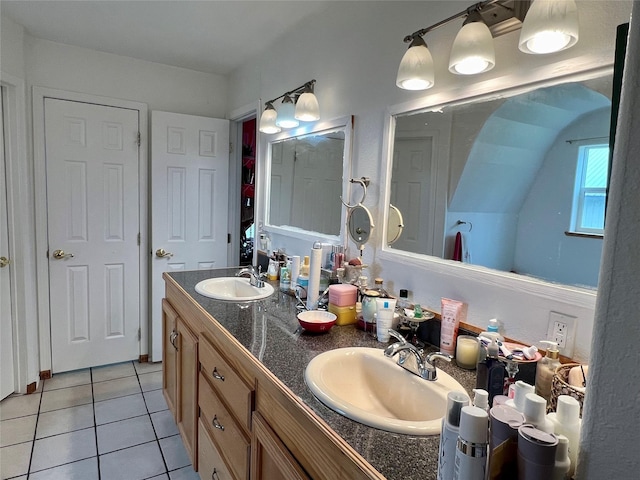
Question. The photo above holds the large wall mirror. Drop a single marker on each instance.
(513, 181)
(307, 172)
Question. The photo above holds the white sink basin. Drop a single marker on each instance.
(364, 385)
(236, 289)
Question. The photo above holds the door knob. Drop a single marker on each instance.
(4, 261)
(162, 253)
(59, 254)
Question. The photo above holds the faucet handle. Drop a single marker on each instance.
(432, 357)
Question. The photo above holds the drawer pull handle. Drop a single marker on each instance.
(216, 375)
(214, 475)
(217, 424)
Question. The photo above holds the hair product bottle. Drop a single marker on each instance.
(449, 435)
(471, 449)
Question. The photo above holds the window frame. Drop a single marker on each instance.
(580, 192)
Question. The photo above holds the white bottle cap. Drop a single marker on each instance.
(562, 450)
(474, 425)
(568, 410)
(521, 389)
(481, 398)
(535, 408)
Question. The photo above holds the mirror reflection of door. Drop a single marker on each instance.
(306, 182)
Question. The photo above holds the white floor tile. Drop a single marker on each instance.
(164, 424)
(174, 452)
(155, 401)
(65, 420)
(109, 372)
(164, 476)
(184, 473)
(83, 470)
(124, 434)
(68, 379)
(65, 448)
(66, 397)
(147, 367)
(119, 408)
(116, 388)
(17, 430)
(14, 460)
(19, 406)
(135, 463)
(151, 381)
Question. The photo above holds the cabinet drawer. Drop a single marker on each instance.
(235, 392)
(224, 430)
(210, 463)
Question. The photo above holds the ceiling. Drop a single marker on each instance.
(212, 36)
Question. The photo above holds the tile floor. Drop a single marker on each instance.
(103, 423)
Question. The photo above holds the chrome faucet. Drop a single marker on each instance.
(426, 366)
(255, 278)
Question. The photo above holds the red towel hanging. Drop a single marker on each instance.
(457, 248)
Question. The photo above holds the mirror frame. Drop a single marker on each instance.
(582, 296)
(346, 124)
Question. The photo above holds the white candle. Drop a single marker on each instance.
(467, 351)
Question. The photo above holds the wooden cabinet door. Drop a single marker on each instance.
(187, 416)
(270, 459)
(169, 355)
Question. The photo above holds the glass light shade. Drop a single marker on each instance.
(307, 108)
(472, 51)
(286, 114)
(268, 121)
(416, 67)
(550, 26)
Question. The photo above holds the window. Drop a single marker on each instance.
(590, 194)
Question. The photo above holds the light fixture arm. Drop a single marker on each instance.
(308, 86)
(476, 7)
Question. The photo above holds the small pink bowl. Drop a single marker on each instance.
(317, 320)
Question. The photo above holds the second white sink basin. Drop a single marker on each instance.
(232, 288)
(364, 385)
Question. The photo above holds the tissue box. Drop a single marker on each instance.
(346, 315)
(343, 295)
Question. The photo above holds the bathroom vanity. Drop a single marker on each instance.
(233, 376)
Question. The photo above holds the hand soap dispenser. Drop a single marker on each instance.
(545, 370)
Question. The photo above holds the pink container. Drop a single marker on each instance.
(343, 295)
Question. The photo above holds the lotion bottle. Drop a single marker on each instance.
(545, 370)
(471, 449)
(449, 435)
(566, 421)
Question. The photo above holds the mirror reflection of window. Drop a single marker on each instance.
(590, 192)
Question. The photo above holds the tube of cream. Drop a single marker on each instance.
(386, 307)
(453, 311)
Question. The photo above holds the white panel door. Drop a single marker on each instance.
(190, 201)
(412, 167)
(7, 384)
(93, 226)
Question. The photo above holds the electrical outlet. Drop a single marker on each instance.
(562, 330)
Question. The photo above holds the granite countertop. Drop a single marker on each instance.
(269, 330)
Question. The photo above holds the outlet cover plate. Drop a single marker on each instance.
(568, 333)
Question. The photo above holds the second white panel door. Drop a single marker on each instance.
(190, 201)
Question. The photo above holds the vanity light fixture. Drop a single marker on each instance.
(297, 105)
(268, 120)
(550, 26)
(286, 113)
(473, 52)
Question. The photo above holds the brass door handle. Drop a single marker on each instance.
(4, 261)
(162, 253)
(59, 254)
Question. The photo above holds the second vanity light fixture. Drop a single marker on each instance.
(547, 26)
(298, 105)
